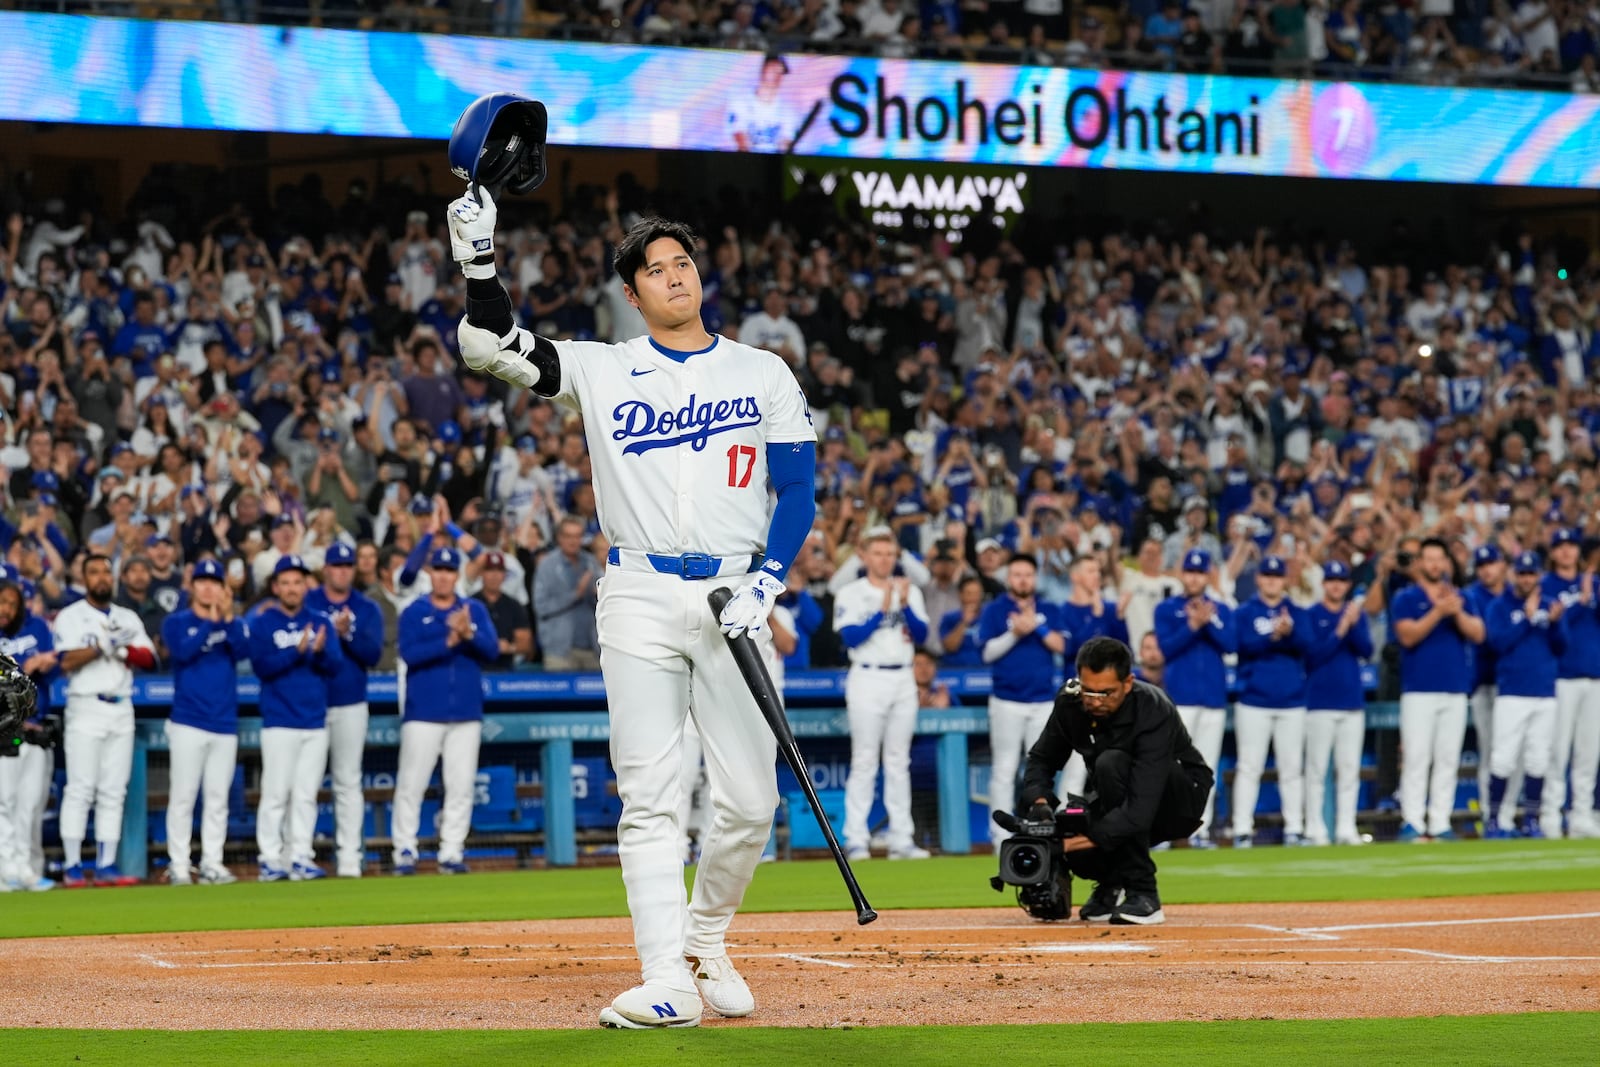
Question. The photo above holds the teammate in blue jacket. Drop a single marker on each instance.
(1086, 615)
(358, 623)
(1489, 566)
(1528, 628)
(1021, 636)
(295, 654)
(1274, 636)
(1195, 631)
(1336, 700)
(445, 642)
(1436, 630)
(204, 642)
(1577, 722)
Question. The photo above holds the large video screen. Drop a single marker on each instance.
(204, 76)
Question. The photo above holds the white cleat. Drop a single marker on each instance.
(909, 852)
(721, 986)
(652, 1007)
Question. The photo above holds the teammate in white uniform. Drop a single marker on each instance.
(25, 775)
(881, 619)
(685, 431)
(100, 644)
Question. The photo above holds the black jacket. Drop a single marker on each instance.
(1146, 727)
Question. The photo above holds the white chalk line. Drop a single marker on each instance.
(921, 957)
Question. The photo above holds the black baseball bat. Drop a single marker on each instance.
(748, 657)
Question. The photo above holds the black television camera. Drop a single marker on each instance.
(1032, 860)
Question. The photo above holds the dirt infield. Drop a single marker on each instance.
(1420, 957)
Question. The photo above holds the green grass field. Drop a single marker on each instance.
(1372, 873)
(1547, 1040)
(1375, 872)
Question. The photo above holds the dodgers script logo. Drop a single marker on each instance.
(644, 428)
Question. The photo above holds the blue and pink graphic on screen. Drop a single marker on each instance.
(204, 76)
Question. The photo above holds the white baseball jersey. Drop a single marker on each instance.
(81, 625)
(890, 645)
(679, 448)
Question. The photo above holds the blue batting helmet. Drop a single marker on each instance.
(498, 143)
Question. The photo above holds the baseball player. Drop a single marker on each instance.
(1490, 584)
(1336, 720)
(1020, 636)
(444, 642)
(1435, 629)
(25, 773)
(358, 624)
(1195, 630)
(100, 644)
(204, 642)
(292, 654)
(686, 432)
(1577, 724)
(1528, 630)
(1274, 636)
(880, 619)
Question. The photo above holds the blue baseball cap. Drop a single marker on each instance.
(208, 568)
(190, 490)
(1566, 535)
(119, 448)
(527, 443)
(283, 520)
(1529, 563)
(156, 539)
(47, 499)
(290, 562)
(449, 431)
(46, 480)
(8, 573)
(340, 555)
(445, 559)
(28, 588)
(421, 505)
(327, 434)
(833, 433)
(332, 372)
(1272, 567)
(1198, 560)
(1335, 571)
(1485, 554)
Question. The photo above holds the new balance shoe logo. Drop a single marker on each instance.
(664, 1011)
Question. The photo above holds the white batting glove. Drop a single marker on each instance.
(750, 606)
(472, 220)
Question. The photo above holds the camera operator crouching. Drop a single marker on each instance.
(1147, 782)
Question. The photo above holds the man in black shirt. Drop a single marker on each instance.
(1147, 782)
(511, 619)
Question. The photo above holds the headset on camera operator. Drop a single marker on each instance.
(1147, 782)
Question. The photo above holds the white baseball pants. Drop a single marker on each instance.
(882, 708)
(347, 740)
(200, 761)
(422, 745)
(663, 658)
(1576, 741)
(1206, 727)
(1335, 734)
(292, 765)
(98, 739)
(24, 794)
(1524, 728)
(1481, 710)
(1432, 727)
(1284, 729)
(1014, 726)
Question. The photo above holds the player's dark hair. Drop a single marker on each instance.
(1105, 653)
(92, 556)
(629, 260)
(1023, 557)
(1434, 542)
(773, 57)
(971, 578)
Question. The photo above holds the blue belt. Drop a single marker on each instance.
(109, 699)
(687, 566)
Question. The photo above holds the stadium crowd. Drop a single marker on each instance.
(1549, 44)
(259, 388)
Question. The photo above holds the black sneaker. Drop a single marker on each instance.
(1101, 905)
(1138, 909)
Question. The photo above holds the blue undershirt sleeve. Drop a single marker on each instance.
(792, 466)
